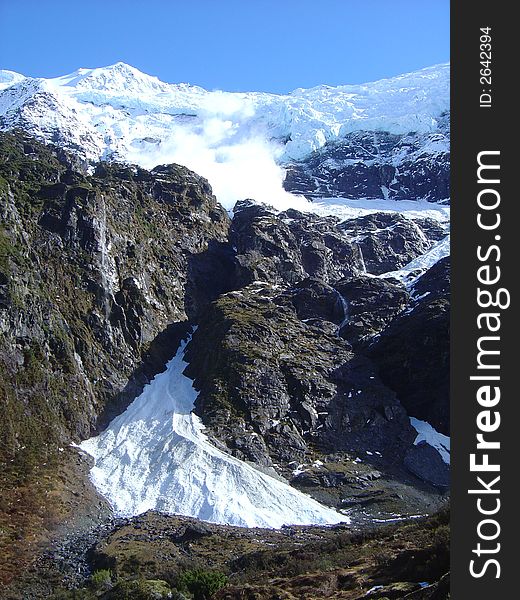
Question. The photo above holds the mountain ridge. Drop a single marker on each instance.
(120, 113)
(121, 66)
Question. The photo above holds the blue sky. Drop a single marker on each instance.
(269, 45)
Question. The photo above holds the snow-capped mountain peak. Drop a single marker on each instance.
(115, 79)
(241, 142)
(9, 78)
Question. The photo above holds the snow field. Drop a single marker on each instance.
(155, 456)
(238, 141)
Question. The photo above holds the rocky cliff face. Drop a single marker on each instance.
(377, 164)
(276, 378)
(388, 242)
(286, 364)
(293, 356)
(308, 358)
(412, 353)
(95, 277)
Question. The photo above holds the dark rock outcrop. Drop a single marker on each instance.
(274, 388)
(314, 301)
(412, 353)
(284, 248)
(95, 270)
(424, 461)
(387, 242)
(370, 305)
(263, 375)
(377, 164)
(284, 363)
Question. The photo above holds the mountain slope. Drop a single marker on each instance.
(377, 164)
(297, 362)
(93, 279)
(119, 112)
(101, 276)
(155, 457)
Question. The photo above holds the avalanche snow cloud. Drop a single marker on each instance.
(155, 456)
(238, 141)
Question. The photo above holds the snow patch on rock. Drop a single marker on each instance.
(426, 433)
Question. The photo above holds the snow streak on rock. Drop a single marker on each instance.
(155, 456)
(345, 208)
(409, 274)
(426, 433)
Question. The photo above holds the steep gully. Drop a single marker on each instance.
(142, 462)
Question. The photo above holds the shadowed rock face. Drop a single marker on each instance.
(371, 304)
(387, 242)
(273, 387)
(412, 354)
(287, 247)
(94, 275)
(425, 462)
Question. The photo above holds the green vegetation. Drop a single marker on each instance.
(25, 165)
(126, 589)
(7, 251)
(101, 580)
(81, 594)
(202, 584)
(149, 556)
(139, 589)
(194, 585)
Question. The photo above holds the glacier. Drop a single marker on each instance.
(239, 141)
(155, 456)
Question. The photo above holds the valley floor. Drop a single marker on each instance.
(406, 560)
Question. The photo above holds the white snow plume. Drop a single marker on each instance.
(155, 456)
(237, 166)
